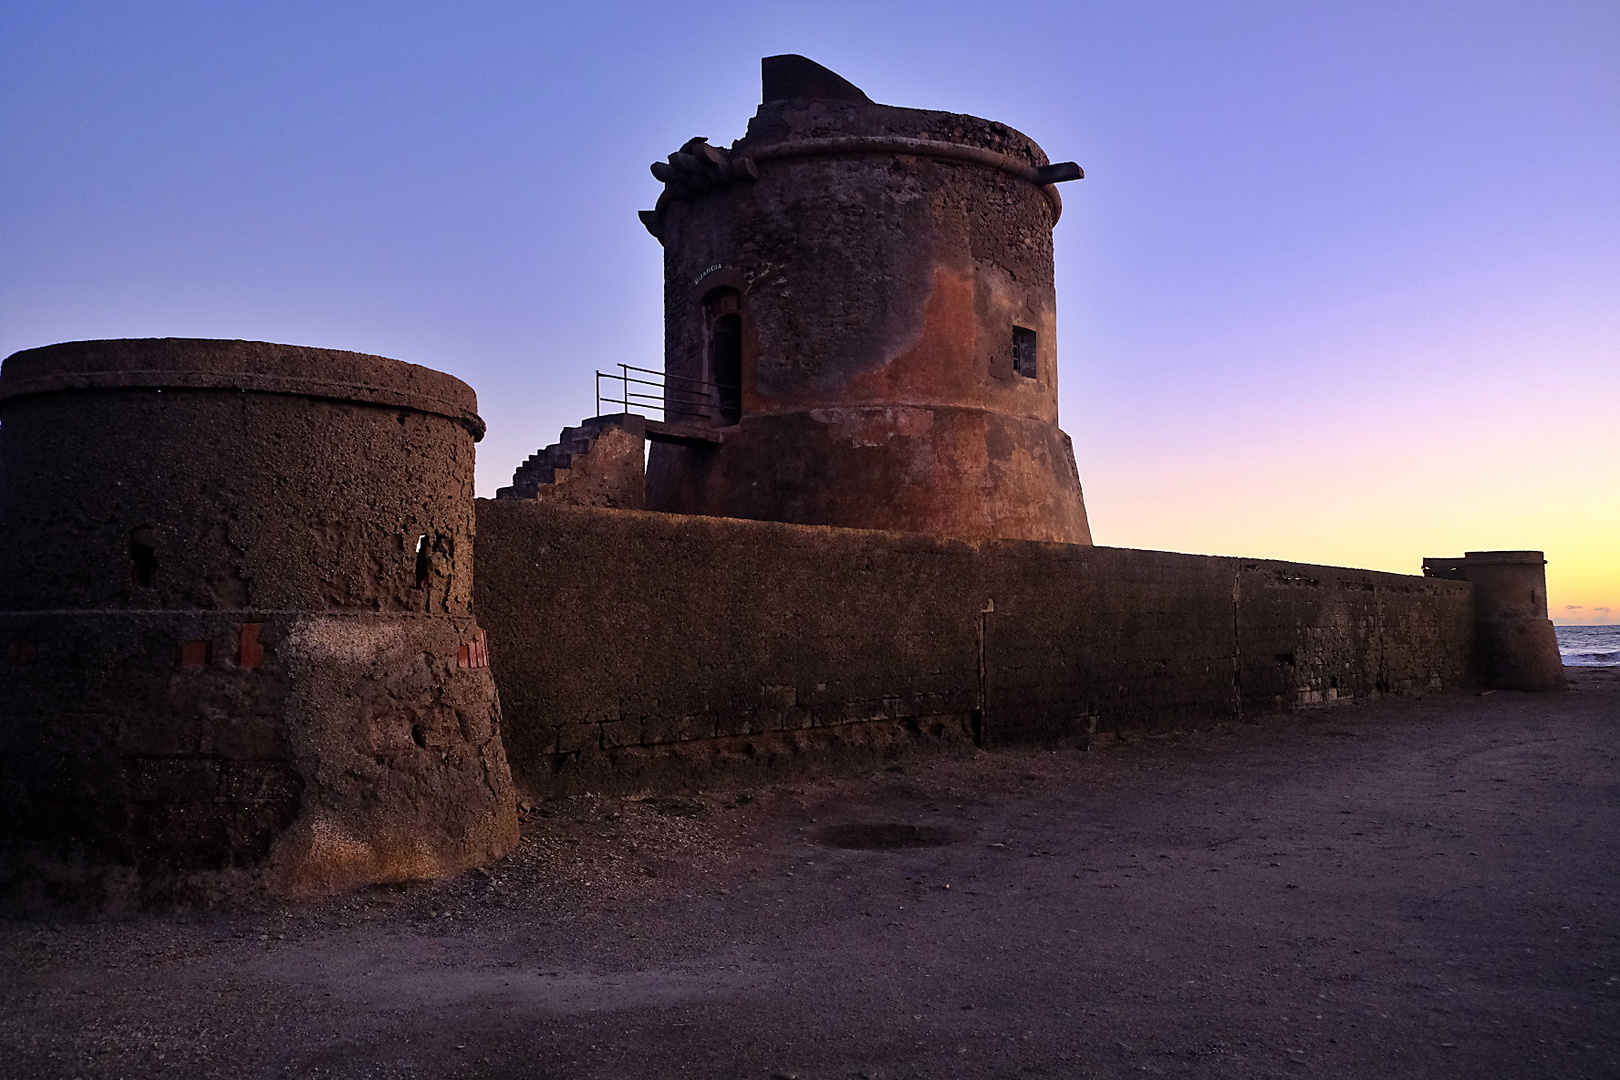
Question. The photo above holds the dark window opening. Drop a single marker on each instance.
(142, 559)
(728, 367)
(723, 311)
(418, 736)
(424, 561)
(1023, 352)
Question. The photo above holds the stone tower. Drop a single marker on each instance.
(863, 295)
(239, 650)
(1515, 644)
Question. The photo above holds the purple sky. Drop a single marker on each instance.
(1343, 283)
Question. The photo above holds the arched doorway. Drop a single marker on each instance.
(722, 310)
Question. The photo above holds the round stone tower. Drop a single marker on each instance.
(239, 652)
(1515, 644)
(859, 299)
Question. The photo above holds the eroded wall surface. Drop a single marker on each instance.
(237, 651)
(640, 649)
(878, 282)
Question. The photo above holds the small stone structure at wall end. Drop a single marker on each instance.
(1515, 644)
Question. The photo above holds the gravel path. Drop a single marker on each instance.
(1400, 889)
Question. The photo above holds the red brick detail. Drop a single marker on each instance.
(20, 653)
(474, 654)
(249, 651)
(196, 653)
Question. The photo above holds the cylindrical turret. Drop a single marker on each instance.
(868, 290)
(239, 648)
(1515, 644)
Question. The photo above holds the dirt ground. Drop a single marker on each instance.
(1398, 889)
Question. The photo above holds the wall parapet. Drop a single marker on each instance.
(630, 644)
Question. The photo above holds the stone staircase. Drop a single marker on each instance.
(543, 465)
(599, 463)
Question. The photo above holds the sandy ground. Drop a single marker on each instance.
(1401, 889)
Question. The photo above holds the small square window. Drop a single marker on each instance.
(1023, 352)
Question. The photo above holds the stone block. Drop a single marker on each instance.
(174, 779)
(620, 733)
(250, 783)
(573, 738)
(243, 738)
(777, 697)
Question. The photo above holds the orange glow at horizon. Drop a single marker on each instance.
(1361, 521)
(1382, 493)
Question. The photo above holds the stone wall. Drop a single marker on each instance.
(641, 649)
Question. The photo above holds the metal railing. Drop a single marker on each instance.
(675, 398)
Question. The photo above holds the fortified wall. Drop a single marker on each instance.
(260, 640)
(861, 331)
(635, 650)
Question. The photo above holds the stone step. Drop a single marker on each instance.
(553, 465)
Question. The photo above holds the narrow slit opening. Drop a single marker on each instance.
(424, 561)
(722, 310)
(142, 559)
(728, 367)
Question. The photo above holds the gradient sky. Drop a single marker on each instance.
(1342, 284)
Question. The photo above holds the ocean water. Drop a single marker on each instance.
(1589, 646)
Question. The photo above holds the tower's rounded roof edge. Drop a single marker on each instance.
(223, 364)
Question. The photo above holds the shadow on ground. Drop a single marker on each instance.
(1400, 889)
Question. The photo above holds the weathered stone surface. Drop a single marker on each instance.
(1516, 645)
(602, 462)
(240, 656)
(876, 290)
(638, 649)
